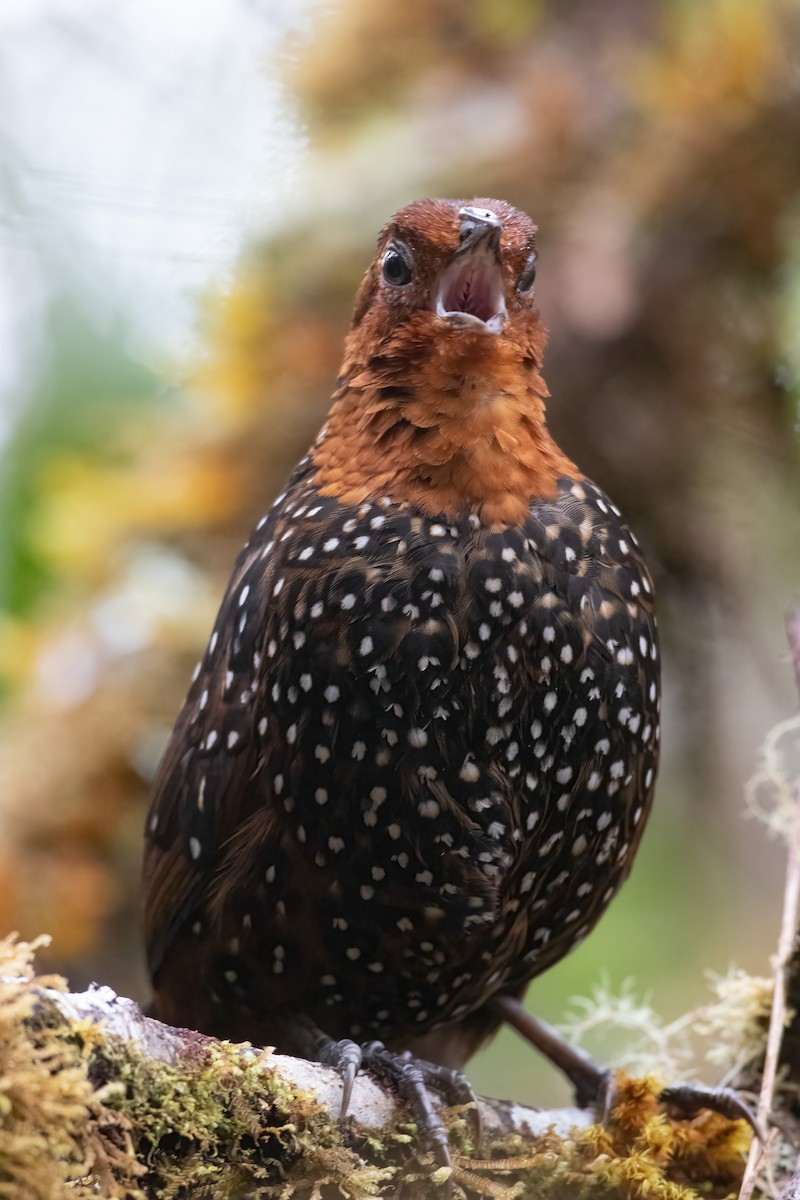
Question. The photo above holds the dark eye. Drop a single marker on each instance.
(525, 281)
(395, 267)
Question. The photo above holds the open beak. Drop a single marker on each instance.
(470, 290)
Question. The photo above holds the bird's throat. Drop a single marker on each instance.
(443, 436)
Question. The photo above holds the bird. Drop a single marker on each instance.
(418, 754)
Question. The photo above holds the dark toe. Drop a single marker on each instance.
(408, 1077)
(690, 1098)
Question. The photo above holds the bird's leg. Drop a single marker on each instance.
(594, 1085)
(410, 1077)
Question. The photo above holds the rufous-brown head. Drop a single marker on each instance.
(441, 401)
(449, 267)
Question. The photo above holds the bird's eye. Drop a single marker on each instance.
(395, 267)
(525, 281)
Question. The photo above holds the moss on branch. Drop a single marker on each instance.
(98, 1100)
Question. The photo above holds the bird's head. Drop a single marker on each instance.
(440, 399)
(456, 273)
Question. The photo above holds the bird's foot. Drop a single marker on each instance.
(411, 1078)
(690, 1098)
(594, 1085)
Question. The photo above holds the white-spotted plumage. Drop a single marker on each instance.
(464, 766)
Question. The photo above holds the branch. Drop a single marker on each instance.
(97, 1099)
(785, 965)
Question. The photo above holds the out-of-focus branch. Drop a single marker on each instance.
(786, 961)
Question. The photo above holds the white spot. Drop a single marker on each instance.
(306, 553)
(331, 544)
(567, 654)
(331, 693)
(353, 953)
(243, 594)
(276, 591)
(299, 639)
(358, 751)
(336, 844)
(212, 645)
(394, 831)
(429, 809)
(580, 716)
(579, 845)
(211, 740)
(417, 738)
(484, 632)
(233, 738)
(306, 682)
(515, 599)
(366, 646)
(550, 702)
(291, 734)
(603, 821)
(195, 848)
(348, 601)
(366, 892)
(526, 882)
(377, 795)
(493, 585)
(593, 782)
(470, 772)
(322, 753)
(377, 967)
(625, 656)
(262, 726)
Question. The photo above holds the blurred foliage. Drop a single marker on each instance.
(656, 145)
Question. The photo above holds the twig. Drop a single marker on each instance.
(786, 948)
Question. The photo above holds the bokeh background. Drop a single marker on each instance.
(188, 196)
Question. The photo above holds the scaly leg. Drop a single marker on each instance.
(594, 1085)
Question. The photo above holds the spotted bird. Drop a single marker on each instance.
(418, 754)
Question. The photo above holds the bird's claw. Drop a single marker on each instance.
(689, 1098)
(411, 1078)
(345, 1057)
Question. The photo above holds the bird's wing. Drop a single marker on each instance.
(213, 760)
(315, 654)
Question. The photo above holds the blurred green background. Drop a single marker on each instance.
(189, 194)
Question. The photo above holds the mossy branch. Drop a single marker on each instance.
(97, 1099)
